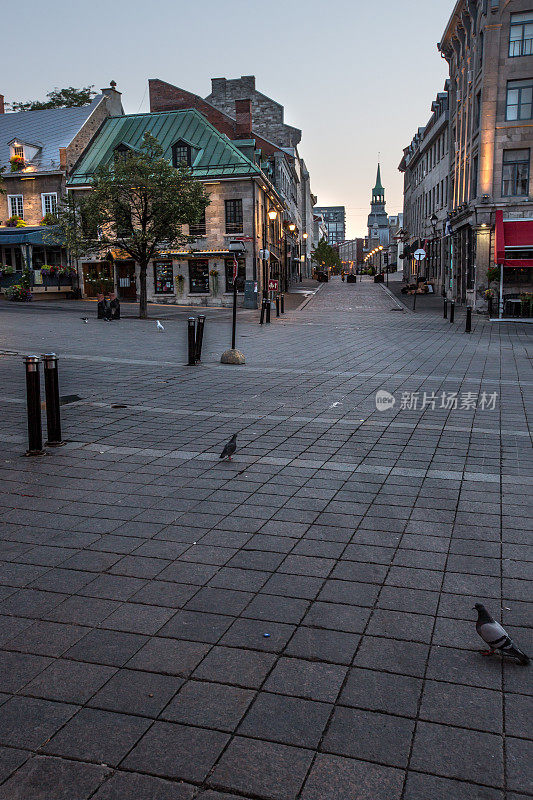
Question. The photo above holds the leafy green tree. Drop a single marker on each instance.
(138, 204)
(58, 98)
(325, 256)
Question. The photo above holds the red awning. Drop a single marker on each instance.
(513, 233)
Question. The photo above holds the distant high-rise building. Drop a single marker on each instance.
(335, 219)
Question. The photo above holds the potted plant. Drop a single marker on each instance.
(48, 219)
(17, 163)
(15, 222)
(214, 276)
(18, 293)
(5, 270)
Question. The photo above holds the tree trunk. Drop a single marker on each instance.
(143, 302)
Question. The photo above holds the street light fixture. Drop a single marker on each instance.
(272, 215)
(292, 227)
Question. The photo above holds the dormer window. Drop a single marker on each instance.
(121, 151)
(181, 154)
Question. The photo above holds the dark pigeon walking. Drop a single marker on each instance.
(496, 636)
(229, 448)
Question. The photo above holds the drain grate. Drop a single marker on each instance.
(69, 398)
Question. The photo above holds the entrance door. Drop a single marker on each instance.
(127, 289)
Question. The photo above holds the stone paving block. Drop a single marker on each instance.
(17, 669)
(290, 720)
(28, 722)
(369, 735)
(234, 665)
(392, 655)
(276, 609)
(197, 626)
(336, 647)
(421, 787)
(307, 679)
(69, 681)
(87, 736)
(464, 666)
(112, 648)
(519, 755)
(465, 706)
(302, 586)
(133, 786)
(220, 601)
(401, 625)
(177, 751)
(135, 692)
(382, 691)
(169, 656)
(349, 592)
(10, 760)
(262, 769)
(48, 638)
(43, 777)
(258, 635)
(455, 753)
(337, 778)
(209, 705)
(335, 616)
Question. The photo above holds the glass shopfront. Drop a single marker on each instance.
(163, 277)
(199, 276)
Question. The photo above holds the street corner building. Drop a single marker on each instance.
(37, 150)
(467, 172)
(259, 197)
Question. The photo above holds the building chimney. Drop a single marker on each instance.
(243, 116)
(113, 100)
(62, 157)
(2, 107)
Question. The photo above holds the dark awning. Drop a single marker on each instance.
(26, 236)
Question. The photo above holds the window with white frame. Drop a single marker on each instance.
(15, 203)
(18, 150)
(49, 203)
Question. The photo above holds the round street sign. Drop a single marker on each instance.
(419, 254)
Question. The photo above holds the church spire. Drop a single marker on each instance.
(378, 192)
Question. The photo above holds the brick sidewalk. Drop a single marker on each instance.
(296, 624)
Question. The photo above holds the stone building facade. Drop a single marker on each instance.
(238, 110)
(426, 166)
(489, 49)
(50, 142)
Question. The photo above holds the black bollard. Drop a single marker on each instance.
(277, 305)
(267, 311)
(199, 337)
(282, 301)
(452, 310)
(262, 317)
(445, 309)
(51, 390)
(468, 325)
(191, 340)
(33, 402)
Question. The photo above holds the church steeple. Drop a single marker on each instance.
(378, 192)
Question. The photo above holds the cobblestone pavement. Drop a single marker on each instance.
(296, 624)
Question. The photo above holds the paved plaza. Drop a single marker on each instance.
(295, 624)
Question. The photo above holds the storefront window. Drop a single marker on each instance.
(199, 276)
(163, 277)
(241, 274)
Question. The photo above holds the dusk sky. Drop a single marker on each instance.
(358, 78)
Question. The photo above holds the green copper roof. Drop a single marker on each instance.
(379, 188)
(213, 154)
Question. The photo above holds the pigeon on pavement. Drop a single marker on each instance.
(229, 448)
(85, 319)
(159, 326)
(496, 636)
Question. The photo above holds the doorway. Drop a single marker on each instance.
(126, 283)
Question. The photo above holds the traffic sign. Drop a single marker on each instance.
(419, 255)
(273, 285)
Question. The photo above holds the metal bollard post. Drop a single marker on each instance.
(445, 309)
(468, 326)
(267, 311)
(33, 402)
(262, 317)
(282, 303)
(191, 340)
(452, 310)
(51, 391)
(199, 337)
(277, 305)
